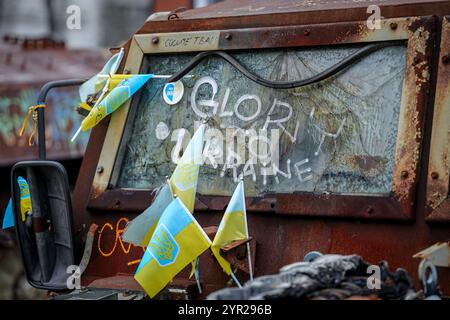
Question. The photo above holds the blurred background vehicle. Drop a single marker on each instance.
(37, 46)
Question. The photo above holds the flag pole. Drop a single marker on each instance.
(104, 90)
(197, 274)
(249, 256)
(168, 183)
(236, 280)
(250, 268)
(166, 76)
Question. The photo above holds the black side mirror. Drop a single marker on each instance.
(44, 233)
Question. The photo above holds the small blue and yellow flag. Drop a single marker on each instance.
(232, 227)
(185, 176)
(25, 204)
(183, 183)
(177, 240)
(25, 197)
(100, 79)
(8, 218)
(113, 101)
(140, 229)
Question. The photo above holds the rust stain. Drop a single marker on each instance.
(439, 165)
(417, 75)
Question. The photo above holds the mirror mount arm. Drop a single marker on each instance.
(41, 111)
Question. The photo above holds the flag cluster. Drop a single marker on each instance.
(169, 230)
(167, 227)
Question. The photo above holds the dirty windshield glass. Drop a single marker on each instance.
(335, 136)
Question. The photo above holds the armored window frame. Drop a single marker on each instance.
(399, 205)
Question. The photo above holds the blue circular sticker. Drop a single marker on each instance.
(173, 92)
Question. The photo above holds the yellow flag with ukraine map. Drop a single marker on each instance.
(177, 240)
(185, 176)
(183, 183)
(232, 227)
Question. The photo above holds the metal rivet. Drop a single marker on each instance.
(404, 174)
(155, 40)
(100, 169)
(117, 202)
(307, 32)
(434, 175)
(228, 36)
(446, 59)
(393, 26)
(369, 210)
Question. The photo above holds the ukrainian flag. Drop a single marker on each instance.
(185, 176)
(25, 204)
(25, 198)
(140, 229)
(232, 227)
(97, 82)
(177, 240)
(183, 183)
(116, 98)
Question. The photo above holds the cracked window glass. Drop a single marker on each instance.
(335, 136)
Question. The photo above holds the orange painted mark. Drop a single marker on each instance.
(118, 230)
(133, 262)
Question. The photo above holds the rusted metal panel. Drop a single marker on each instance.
(438, 179)
(231, 8)
(414, 100)
(210, 18)
(282, 240)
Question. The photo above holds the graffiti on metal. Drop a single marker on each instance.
(109, 234)
(336, 136)
(186, 41)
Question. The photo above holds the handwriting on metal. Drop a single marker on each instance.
(185, 41)
(261, 147)
(335, 136)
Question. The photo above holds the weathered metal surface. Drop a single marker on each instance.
(438, 179)
(282, 239)
(211, 18)
(236, 254)
(232, 8)
(414, 99)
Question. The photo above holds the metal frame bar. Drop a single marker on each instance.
(438, 179)
(41, 111)
(399, 205)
